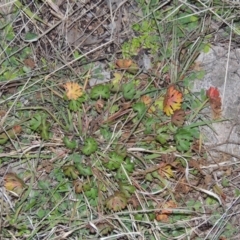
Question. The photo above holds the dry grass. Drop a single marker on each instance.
(165, 193)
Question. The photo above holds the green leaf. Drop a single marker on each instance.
(86, 186)
(35, 122)
(31, 15)
(138, 216)
(127, 189)
(162, 138)
(92, 193)
(200, 74)
(44, 129)
(149, 125)
(140, 108)
(206, 48)
(39, 123)
(41, 213)
(100, 91)
(84, 170)
(90, 146)
(31, 37)
(106, 132)
(70, 171)
(74, 105)
(121, 174)
(114, 161)
(69, 144)
(183, 138)
(43, 184)
(128, 165)
(128, 90)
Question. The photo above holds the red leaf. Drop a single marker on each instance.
(215, 102)
(213, 93)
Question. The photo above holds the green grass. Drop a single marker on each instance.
(108, 164)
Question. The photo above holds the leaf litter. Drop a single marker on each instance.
(120, 139)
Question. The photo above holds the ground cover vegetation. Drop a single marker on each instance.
(100, 134)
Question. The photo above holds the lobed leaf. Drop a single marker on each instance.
(172, 100)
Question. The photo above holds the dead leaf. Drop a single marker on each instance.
(165, 170)
(218, 190)
(182, 186)
(73, 90)
(148, 101)
(46, 166)
(172, 100)
(99, 105)
(13, 183)
(222, 238)
(127, 64)
(194, 164)
(133, 200)
(208, 179)
(12, 133)
(78, 186)
(178, 117)
(197, 66)
(29, 62)
(2, 113)
(116, 202)
(124, 63)
(163, 215)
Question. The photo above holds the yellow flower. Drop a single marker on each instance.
(73, 90)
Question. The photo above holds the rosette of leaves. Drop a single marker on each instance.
(90, 146)
(100, 91)
(114, 161)
(116, 202)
